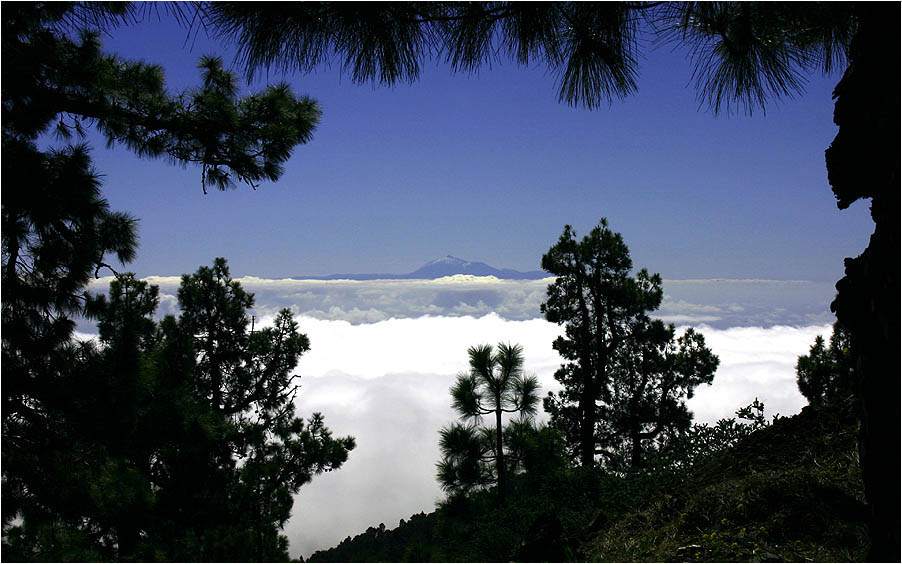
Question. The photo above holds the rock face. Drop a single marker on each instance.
(863, 162)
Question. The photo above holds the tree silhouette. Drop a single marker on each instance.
(626, 376)
(646, 409)
(70, 84)
(827, 374)
(142, 464)
(589, 47)
(475, 455)
(245, 380)
(58, 231)
(744, 53)
(595, 299)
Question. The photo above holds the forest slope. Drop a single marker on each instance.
(791, 491)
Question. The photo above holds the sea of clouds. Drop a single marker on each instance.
(384, 354)
(387, 385)
(720, 303)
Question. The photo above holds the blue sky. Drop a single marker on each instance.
(490, 168)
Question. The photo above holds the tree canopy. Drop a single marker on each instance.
(114, 450)
(625, 376)
(594, 298)
(57, 76)
(742, 53)
(646, 410)
(826, 375)
(144, 457)
(474, 455)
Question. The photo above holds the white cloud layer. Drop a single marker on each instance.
(717, 302)
(387, 385)
(385, 352)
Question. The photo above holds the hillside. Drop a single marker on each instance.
(789, 492)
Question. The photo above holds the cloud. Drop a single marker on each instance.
(720, 303)
(754, 363)
(82, 336)
(387, 384)
(385, 352)
(765, 281)
(390, 475)
(432, 345)
(688, 319)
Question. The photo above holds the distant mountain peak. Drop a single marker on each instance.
(450, 265)
(448, 259)
(441, 267)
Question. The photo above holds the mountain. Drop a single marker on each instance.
(438, 268)
(449, 266)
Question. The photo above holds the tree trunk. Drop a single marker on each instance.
(499, 450)
(863, 162)
(587, 371)
(635, 448)
(587, 422)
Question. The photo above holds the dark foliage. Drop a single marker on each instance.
(744, 53)
(474, 529)
(109, 450)
(826, 375)
(788, 490)
(476, 456)
(589, 47)
(51, 79)
(149, 460)
(411, 541)
(626, 376)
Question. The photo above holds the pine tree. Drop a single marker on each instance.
(477, 456)
(58, 232)
(595, 299)
(646, 409)
(143, 465)
(826, 375)
(625, 377)
(262, 452)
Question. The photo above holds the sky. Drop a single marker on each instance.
(734, 212)
(490, 168)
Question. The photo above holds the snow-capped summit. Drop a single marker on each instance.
(448, 260)
(444, 266)
(451, 265)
